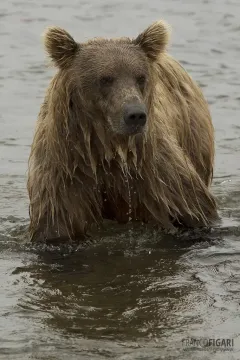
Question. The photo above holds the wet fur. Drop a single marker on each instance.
(78, 174)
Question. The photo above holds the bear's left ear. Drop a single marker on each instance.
(60, 46)
(154, 39)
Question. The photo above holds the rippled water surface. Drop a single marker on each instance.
(132, 293)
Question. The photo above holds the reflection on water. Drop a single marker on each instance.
(130, 293)
(122, 294)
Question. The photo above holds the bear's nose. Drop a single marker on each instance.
(135, 115)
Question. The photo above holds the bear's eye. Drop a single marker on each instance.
(106, 80)
(141, 79)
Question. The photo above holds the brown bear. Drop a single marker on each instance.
(124, 133)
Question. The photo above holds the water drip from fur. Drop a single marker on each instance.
(129, 213)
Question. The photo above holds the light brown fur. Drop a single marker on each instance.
(80, 172)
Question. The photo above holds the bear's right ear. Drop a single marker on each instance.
(154, 39)
(60, 46)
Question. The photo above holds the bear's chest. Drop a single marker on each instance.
(121, 199)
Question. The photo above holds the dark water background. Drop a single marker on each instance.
(132, 294)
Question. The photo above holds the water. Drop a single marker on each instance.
(128, 295)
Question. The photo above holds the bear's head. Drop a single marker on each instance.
(113, 76)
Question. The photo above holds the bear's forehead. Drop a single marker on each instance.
(112, 55)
